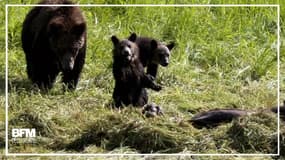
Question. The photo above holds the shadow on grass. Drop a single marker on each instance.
(248, 135)
(282, 142)
(2, 142)
(31, 119)
(114, 132)
(240, 141)
(18, 84)
(2, 85)
(15, 85)
(2, 135)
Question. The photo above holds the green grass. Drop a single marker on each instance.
(225, 57)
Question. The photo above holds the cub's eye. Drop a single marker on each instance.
(129, 46)
(161, 54)
(166, 54)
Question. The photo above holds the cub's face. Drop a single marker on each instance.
(66, 39)
(124, 50)
(161, 53)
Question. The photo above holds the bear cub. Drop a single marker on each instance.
(130, 79)
(152, 53)
(54, 40)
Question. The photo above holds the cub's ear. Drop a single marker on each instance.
(133, 37)
(153, 44)
(170, 46)
(115, 40)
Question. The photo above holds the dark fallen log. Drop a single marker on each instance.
(215, 117)
(281, 110)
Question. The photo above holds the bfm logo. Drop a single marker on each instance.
(23, 132)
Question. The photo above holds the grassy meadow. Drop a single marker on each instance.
(225, 57)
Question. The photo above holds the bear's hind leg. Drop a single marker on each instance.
(117, 98)
(70, 80)
(142, 98)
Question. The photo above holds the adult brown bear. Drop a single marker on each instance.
(54, 40)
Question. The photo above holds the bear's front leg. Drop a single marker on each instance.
(152, 69)
(71, 78)
(142, 98)
(148, 82)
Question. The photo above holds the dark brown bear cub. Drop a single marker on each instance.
(54, 40)
(152, 53)
(130, 80)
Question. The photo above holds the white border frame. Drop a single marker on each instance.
(142, 5)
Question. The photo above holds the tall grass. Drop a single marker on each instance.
(225, 57)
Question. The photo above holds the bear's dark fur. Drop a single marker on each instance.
(54, 40)
(152, 53)
(130, 78)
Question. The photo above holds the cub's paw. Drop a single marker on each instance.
(157, 87)
(150, 77)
